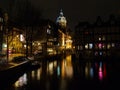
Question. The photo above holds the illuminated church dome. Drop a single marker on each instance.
(61, 20)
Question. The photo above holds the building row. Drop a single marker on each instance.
(102, 38)
(46, 37)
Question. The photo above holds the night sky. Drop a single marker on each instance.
(74, 10)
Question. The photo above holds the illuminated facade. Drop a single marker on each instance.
(65, 41)
(99, 39)
(15, 42)
(44, 38)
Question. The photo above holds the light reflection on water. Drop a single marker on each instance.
(39, 71)
(102, 71)
(50, 68)
(68, 67)
(36, 74)
(92, 68)
(21, 81)
(64, 70)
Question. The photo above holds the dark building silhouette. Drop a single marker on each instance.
(102, 38)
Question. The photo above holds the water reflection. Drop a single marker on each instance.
(21, 81)
(63, 67)
(68, 67)
(36, 74)
(60, 73)
(102, 71)
(39, 71)
(93, 69)
(89, 71)
(51, 66)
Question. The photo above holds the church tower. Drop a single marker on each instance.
(61, 20)
(64, 40)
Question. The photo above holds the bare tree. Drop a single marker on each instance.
(27, 17)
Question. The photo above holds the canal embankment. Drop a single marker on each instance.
(11, 70)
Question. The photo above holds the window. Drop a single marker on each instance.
(48, 31)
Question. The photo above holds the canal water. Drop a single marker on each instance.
(70, 73)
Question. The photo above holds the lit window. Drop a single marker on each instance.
(86, 46)
(100, 45)
(99, 38)
(48, 31)
(113, 45)
(21, 37)
(90, 45)
(100, 53)
(38, 43)
(33, 43)
(108, 46)
(103, 45)
(25, 46)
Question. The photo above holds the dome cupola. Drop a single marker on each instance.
(61, 20)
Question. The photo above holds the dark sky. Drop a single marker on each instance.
(74, 10)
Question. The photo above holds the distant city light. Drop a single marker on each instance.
(108, 46)
(4, 45)
(90, 45)
(100, 53)
(99, 38)
(100, 45)
(86, 46)
(38, 43)
(21, 38)
(21, 81)
(24, 46)
(48, 31)
(113, 45)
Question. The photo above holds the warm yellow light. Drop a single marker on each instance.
(50, 68)
(24, 46)
(86, 46)
(108, 46)
(50, 50)
(21, 38)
